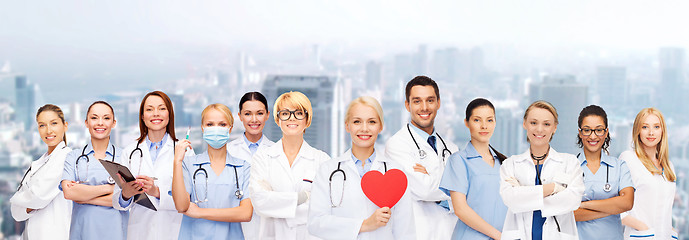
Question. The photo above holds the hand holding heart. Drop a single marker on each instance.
(378, 219)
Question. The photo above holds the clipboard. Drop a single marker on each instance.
(114, 168)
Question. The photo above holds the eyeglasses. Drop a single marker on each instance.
(285, 114)
(598, 131)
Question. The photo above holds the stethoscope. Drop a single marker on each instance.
(422, 153)
(83, 154)
(239, 193)
(141, 155)
(21, 183)
(344, 178)
(607, 187)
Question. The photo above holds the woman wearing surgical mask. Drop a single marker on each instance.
(654, 179)
(37, 201)
(282, 175)
(541, 187)
(253, 112)
(609, 187)
(339, 209)
(211, 188)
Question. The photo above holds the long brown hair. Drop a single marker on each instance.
(662, 148)
(58, 111)
(170, 128)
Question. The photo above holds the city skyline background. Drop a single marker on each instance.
(621, 55)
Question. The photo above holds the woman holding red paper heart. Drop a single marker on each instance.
(472, 178)
(541, 187)
(339, 206)
(282, 174)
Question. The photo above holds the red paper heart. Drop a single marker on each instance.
(384, 190)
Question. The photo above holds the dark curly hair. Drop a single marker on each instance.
(594, 110)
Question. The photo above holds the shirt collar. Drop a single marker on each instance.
(526, 156)
(108, 151)
(248, 143)
(470, 152)
(159, 144)
(369, 160)
(604, 158)
(306, 151)
(421, 133)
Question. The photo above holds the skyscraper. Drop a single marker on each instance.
(26, 101)
(612, 86)
(320, 91)
(569, 97)
(672, 81)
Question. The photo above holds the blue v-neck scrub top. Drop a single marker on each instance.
(221, 194)
(466, 172)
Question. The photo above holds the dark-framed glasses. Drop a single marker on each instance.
(285, 114)
(598, 131)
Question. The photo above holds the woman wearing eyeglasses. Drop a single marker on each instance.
(282, 175)
(609, 188)
(211, 188)
(86, 182)
(339, 209)
(37, 201)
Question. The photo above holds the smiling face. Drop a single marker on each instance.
(156, 114)
(481, 124)
(292, 126)
(540, 126)
(100, 121)
(423, 105)
(51, 128)
(253, 116)
(593, 143)
(651, 131)
(363, 126)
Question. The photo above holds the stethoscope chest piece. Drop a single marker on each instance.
(422, 154)
(111, 180)
(239, 194)
(607, 187)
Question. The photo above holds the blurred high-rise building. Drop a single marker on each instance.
(445, 65)
(374, 74)
(509, 138)
(27, 101)
(421, 61)
(612, 87)
(181, 119)
(568, 97)
(320, 91)
(672, 81)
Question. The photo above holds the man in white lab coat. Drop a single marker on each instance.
(422, 153)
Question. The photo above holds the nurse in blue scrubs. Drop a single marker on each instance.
(609, 187)
(85, 181)
(211, 188)
(472, 178)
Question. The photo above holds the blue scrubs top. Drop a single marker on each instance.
(618, 175)
(221, 194)
(92, 221)
(466, 172)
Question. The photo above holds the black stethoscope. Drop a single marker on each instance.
(607, 187)
(239, 193)
(422, 153)
(21, 183)
(344, 178)
(83, 154)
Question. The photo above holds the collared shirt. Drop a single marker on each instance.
(367, 165)
(219, 190)
(93, 221)
(154, 147)
(424, 135)
(467, 173)
(253, 146)
(619, 177)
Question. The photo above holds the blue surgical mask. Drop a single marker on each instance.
(216, 137)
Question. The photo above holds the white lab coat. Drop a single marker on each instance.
(145, 223)
(653, 200)
(52, 217)
(239, 149)
(431, 220)
(344, 221)
(526, 198)
(281, 218)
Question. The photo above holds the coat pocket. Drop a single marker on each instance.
(642, 235)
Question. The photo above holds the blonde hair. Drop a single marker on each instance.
(295, 100)
(662, 148)
(542, 104)
(220, 107)
(366, 101)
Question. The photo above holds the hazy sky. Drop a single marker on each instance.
(82, 41)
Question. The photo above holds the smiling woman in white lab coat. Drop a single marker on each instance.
(211, 188)
(38, 201)
(282, 175)
(253, 112)
(151, 156)
(541, 187)
(339, 209)
(654, 179)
